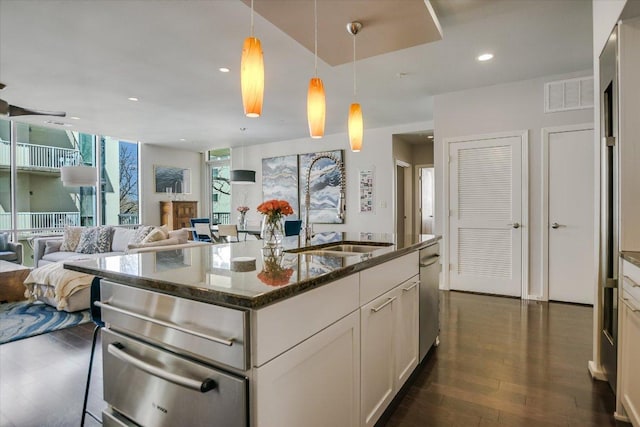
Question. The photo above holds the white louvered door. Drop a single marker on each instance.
(485, 196)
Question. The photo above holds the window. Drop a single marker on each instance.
(5, 175)
(119, 172)
(219, 165)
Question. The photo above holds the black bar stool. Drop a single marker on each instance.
(96, 317)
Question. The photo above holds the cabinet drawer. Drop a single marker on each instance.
(209, 331)
(377, 280)
(631, 280)
(630, 357)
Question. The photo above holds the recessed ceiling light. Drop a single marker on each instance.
(74, 118)
(485, 57)
(182, 139)
(133, 98)
(224, 69)
(243, 129)
(430, 136)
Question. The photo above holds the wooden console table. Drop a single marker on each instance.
(11, 281)
(176, 214)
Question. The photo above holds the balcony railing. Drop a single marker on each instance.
(221, 217)
(39, 156)
(128, 219)
(40, 220)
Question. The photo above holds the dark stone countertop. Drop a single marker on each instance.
(223, 274)
(632, 257)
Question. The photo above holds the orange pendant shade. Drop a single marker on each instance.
(316, 108)
(252, 77)
(355, 127)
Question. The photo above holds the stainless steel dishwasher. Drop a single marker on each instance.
(429, 297)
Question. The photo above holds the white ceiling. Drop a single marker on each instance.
(87, 57)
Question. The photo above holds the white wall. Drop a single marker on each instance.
(376, 154)
(506, 107)
(151, 155)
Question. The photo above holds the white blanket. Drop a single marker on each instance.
(53, 281)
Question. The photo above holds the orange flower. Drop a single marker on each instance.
(274, 209)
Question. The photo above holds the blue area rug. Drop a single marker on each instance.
(23, 319)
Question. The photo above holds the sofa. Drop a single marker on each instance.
(70, 291)
(10, 251)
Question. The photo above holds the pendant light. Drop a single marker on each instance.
(242, 176)
(316, 105)
(252, 74)
(355, 112)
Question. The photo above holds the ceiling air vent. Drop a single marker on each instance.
(571, 94)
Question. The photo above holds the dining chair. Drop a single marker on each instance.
(204, 232)
(228, 231)
(292, 227)
(96, 317)
(201, 235)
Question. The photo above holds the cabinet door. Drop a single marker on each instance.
(630, 348)
(316, 383)
(377, 321)
(406, 333)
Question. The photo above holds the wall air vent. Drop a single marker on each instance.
(571, 94)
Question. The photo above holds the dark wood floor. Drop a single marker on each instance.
(500, 362)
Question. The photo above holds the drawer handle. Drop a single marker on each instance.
(407, 289)
(383, 305)
(117, 350)
(430, 261)
(632, 282)
(631, 307)
(107, 306)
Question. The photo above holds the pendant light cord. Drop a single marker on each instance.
(315, 24)
(251, 18)
(354, 67)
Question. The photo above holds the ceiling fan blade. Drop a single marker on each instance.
(19, 111)
(4, 107)
(2, 85)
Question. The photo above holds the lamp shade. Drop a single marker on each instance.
(252, 77)
(79, 176)
(242, 176)
(355, 127)
(316, 108)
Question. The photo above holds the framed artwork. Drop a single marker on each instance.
(172, 179)
(280, 180)
(366, 190)
(325, 188)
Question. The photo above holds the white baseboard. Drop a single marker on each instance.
(619, 417)
(596, 372)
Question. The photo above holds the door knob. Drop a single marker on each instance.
(555, 225)
(515, 225)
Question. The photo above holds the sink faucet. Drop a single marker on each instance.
(308, 229)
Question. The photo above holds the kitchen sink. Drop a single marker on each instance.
(343, 249)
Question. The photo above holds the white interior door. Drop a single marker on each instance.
(486, 215)
(571, 270)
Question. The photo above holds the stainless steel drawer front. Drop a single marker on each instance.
(207, 331)
(113, 419)
(154, 387)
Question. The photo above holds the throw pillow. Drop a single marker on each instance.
(121, 238)
(166, 242)
(95, 240)
(4, 242)
(52, 246)
(70, 239)
(158, 233)
(140, 234)
(182, 235)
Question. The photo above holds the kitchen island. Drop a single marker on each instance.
(324, 334)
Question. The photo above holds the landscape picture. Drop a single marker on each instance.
(176, 179)
(325, 188)
(280, 180)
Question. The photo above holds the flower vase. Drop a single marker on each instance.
(242, 221)
(272, 231)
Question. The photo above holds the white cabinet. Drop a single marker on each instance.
(629, 343)
(389, 346)
(630, 358)
(406, 343)
(316, 383)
